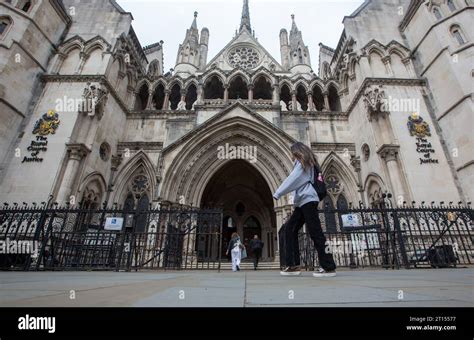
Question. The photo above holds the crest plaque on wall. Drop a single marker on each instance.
(418, 127)
(47, 124)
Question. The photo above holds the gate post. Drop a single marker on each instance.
(401, 242)
(45, 240)
(219, 248)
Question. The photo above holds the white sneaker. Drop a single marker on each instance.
(291, 271)
(322, 273)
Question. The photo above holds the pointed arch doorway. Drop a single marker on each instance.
(246, 199)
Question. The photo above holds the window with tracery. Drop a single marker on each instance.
(244, 57)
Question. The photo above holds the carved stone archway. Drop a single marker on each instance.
(187, 166)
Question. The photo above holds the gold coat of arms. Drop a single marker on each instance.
(47, 124)
(418, 127)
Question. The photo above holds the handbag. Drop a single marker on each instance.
(318, 184)
(244, 254)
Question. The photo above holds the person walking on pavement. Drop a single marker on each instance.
(306, 202)
(235, 249)
(256, 245)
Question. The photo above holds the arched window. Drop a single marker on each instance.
(300, 56)
(191, 97)
(437, 13)
(451, 5)
(175, 96)
(214, 89)
(318, 98)
(334, 101)
(302, 97)
(262, 89)
(142, 98)
(285, 95)
(159, 97)
(457, 34)
(24, 5)
(5, 22)
(238, 89)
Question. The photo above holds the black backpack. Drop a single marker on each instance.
(319, 185)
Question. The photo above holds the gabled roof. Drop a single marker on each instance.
(254, 41)
(217, 117)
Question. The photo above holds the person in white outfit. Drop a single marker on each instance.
(235, 248)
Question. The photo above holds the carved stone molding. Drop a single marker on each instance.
(116, 161)
(389, 152)
(94, 100)
(355, 162)
(375, 102)
(77, 151)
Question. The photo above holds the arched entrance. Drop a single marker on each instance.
(243, 194)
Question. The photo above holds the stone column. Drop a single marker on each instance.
(326, 101)
(183, 95)
(389, 153)
(388, 66)
(226, 94)
(276, 95)
(200, 94)
(150, 100)
(355, 162)
(166, 102)
(409, 66)
(115, 163)
(83, 58)
(76, 152)
(310, 102)
(250, 87)
(294, 107)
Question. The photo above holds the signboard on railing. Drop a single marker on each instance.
(350, 220)
(114, 223)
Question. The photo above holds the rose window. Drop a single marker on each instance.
(244, 57)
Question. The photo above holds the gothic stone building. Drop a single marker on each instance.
(89, 115)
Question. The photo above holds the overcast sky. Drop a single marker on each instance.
(167, 20)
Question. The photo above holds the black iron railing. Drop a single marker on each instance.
(402, 237)
(54, 238)
(49, 237)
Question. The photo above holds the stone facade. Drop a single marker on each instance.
(88, 115)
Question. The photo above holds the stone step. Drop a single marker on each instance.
(248, 265)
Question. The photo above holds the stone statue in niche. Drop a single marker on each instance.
(298, 106)
(194, 104)
(181, 106)
(283, 106)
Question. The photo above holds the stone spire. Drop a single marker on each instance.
(294, 28)
(245, 22)
(295, 54)
(194, 24)
(192, 53)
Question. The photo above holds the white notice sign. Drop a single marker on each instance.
(350, 220)
(113, 223)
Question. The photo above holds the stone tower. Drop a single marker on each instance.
(192, 53)
(294, 53)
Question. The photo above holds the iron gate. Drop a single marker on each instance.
(67, 238)
(408, 237)
(54, 238)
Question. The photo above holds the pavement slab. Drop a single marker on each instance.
(265, 288)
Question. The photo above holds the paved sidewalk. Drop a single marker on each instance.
(361, 288)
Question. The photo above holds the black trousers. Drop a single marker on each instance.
(308, 214)
(257, 253)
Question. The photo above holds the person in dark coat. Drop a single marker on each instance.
(256, 245)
